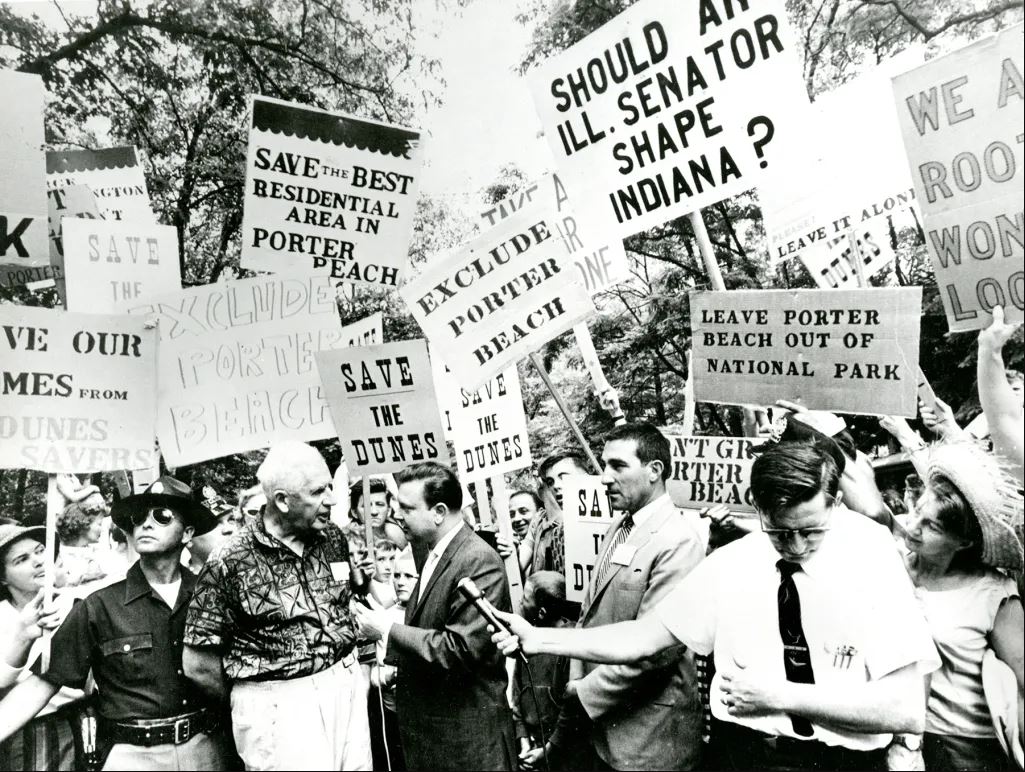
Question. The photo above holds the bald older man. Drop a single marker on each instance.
(270, 621)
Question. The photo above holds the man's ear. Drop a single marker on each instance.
(280, 501)
(657, 468)
(187, 533)
(440, 511)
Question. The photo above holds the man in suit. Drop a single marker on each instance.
(645, 716)
(450, 689)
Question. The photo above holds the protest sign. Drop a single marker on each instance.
(236, 370)
(586, 517)
(712, 470)
(832, 265)
(110, 266)
(113, 174)
(501, 296)
(329, 193)
(849, 351)
(962, 120)
(598, 256)
(22, 171)
(12, 276)
(487, 427)
(850, 173)
(383, 399)
(78, 391)
(668, 108)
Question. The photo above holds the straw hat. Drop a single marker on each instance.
(993, 495)
(12, 533)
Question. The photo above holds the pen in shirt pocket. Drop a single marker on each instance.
(843, 655)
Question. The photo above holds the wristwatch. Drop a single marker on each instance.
(913, 742)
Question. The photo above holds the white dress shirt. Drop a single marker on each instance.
(858, 612)
(425, 576)
(433, 557)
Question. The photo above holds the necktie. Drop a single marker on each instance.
(620, 536)
(796, 656)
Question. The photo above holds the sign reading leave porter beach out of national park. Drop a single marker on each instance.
(850, 351)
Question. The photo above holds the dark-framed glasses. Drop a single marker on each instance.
(810, 533)
(160, 515)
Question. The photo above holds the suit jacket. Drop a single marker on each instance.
(648, 715)
(451, 684)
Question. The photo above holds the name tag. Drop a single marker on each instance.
(340, 571)
(624, 554)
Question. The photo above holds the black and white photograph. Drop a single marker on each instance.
(517, 385)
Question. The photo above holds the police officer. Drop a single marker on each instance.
(129, 634)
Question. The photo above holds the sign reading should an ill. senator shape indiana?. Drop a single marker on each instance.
(329, 193)
(671, 106)
(384, 407)
(850, 351)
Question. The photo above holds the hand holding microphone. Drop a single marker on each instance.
(511, 633)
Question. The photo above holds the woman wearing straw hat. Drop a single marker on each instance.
(47, 742)
(962, 531)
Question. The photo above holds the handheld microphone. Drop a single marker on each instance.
(473, 594)
(359, 583)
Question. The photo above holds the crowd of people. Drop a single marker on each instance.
(842, 628)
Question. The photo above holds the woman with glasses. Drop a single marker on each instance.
(961, 533)
(47, 742)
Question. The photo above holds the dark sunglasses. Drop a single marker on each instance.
(160, 515)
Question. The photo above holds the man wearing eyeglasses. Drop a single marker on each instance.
(818, 645)
(129, 635)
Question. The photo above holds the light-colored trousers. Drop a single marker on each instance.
(316, 722)
(202, 752)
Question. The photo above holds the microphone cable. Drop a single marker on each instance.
(537, 708)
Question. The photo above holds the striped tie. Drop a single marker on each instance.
(620, 536)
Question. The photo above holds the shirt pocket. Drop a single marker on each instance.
(130, 658)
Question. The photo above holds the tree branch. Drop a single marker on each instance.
(928, 33)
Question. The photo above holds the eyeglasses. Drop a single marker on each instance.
(789, 534)
(160, 515)
(808, 534)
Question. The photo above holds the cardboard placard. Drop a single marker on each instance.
(832, 263)
(850, 172)
(329, 193)
(487, 426)
(78, 391)
(668, 108)
(70, 201)
(110, 266)
(113, 174)
(712, 470)
(498, 298)
(236, 364)
(586, 517)
(23, 224)
(849, 351)
(383, 399)
(962, 120)
(598, 256)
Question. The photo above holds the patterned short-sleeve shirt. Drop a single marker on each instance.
(274, 614)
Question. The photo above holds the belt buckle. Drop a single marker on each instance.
(182, 730)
